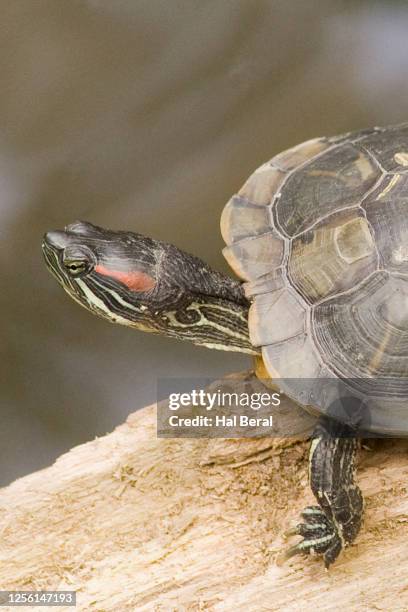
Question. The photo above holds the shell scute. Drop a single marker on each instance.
(264, 284)
(241, 219)
(255, 256)
(389, 147)
(295, 156)
(262, 185)
(354, 136)
(293, 358)
(328, 279)
(386, 209)
(339, 178)
(364, 334)
(276, 316)
(333, 256)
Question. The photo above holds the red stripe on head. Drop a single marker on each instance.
(135, 281)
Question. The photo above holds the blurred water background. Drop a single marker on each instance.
(148, 115)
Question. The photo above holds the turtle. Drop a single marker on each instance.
(318, 238)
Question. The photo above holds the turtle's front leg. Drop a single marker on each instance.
(335, 522)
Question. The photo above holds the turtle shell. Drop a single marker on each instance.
(319, 234)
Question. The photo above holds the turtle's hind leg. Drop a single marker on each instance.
(336, 521)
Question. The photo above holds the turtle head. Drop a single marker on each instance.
(147, 284)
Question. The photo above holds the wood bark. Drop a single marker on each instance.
(135, 522)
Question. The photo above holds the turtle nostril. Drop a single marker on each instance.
(56, 239)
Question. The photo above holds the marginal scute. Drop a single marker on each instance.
(262, 185)
(295, 156)
(296, 364)
(253, 257)
(354, 136)
(386, 209)
(384, 412)
(264, 284)
(276, 316)
(339, 178)
(330, 393)
(333, 256)
(241, 219)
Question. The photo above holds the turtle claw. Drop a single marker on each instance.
(320, 536)
(286, 554)
(291, 532)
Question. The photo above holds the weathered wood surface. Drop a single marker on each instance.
(133, 522)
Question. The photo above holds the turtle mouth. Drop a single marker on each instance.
(52, 259)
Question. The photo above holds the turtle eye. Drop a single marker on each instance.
(75, 267)
(77, 259)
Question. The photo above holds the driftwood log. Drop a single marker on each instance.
(133, 522)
